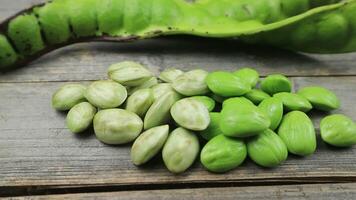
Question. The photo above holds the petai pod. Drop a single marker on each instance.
(223, 153)
(267, 149)
(338, 130)
(285, 24)
(148, 144)
(117, 126)
(80, 117)
(68, 96)
(180, 150)
(321, 98)
(298, 133)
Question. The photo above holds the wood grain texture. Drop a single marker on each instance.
(89, 61)
(293, 192)
(37, 150)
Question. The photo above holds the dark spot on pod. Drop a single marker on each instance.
(157, 32)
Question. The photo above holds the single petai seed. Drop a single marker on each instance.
(256, 96)
(276, 83)
(190, 114)
(227, 84)
(147, 84)
(293, 102)
(338, 130)
(140, 101)
(273, 108)
(241, 118)
(170, 74)
(159, 111)
(68, 96)
(129, 73)
(80, 117)
(223, 153)
(214, 127)
(248, 75)
(117, 126)
(298, 133)
(148, 144)
(106, 94)
(207, 101)
(321, 98)
(161, 89)
(191, 83)
(267, 149)
(181, 150)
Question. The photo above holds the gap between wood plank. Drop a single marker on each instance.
(78, 81)
(10, 191)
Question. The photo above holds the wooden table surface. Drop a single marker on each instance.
(40, 159)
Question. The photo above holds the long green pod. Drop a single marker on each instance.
(43, 28)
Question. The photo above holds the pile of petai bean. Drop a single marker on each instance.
(236, 113)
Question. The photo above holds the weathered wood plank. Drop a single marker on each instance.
(37, 150)
(297, 192)
(90, 61)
